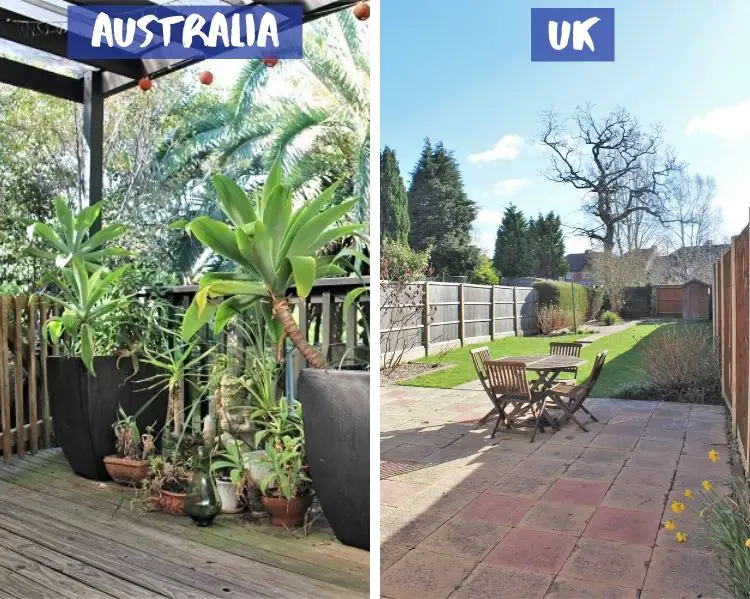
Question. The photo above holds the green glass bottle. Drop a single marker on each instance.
(202, 502)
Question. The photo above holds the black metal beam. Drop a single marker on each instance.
(53, 40)
(93, 134)
(39, 80)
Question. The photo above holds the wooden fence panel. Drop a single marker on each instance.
(742, 334)
(450, 313)
(24, 400)
(731, 303)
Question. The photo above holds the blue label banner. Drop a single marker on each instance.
(572, 34)
(183, 31)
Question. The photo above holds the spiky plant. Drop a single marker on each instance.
(273, 247)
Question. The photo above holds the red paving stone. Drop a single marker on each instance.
(532, 550)
(496, 509)
(626, 526)
(577, 491)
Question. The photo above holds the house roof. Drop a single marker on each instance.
(576, 262)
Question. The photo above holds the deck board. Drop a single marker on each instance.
(63, 527)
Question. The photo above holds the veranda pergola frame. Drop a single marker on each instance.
(35, 31)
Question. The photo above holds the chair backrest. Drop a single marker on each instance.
(559, 348)
(596, 371)
(509, 379)
(479, 356)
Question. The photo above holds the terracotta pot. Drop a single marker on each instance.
(124, 470)
(285, 512)
(172, 503)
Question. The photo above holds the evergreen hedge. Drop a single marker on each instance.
(558, 293)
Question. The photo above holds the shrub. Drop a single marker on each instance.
(609, 318)
(560, 294)
(398, 262)
(595, 301)
(551, 318)
(484, 273)
(680, 360)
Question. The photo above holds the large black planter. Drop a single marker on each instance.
(337, 432)
(84, 407)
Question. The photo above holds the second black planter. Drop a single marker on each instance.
(337, 433)
(84, 406)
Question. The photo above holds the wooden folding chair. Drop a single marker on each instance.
(577, 394)
(480, 357)
(560, 348)
(509, 382)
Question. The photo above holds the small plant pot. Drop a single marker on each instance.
(285, 512)
(172, 503)
(126, 471)
(230, 503)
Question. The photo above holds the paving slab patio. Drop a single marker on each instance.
(573, 515)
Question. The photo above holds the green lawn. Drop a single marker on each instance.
(623, 364)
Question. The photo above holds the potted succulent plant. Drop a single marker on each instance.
(166, 484)
(275, 247)
(87, 382)
(286, 489)
(130, 464)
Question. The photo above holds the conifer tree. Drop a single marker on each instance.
(441, 212)
(548, 246)
(394, 205)
(513, 248)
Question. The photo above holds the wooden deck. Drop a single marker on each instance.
(65, 536)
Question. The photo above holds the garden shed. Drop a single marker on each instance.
(689, 301)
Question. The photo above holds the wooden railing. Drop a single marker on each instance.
(731, 309)
(24, 397)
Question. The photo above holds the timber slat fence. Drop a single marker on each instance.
(454, 313)
(731, 309)
(26, 424)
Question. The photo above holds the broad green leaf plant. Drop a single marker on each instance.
(273, 247)
(86, 287)
(70, 237)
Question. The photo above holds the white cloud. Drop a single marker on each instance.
(489, 217)
(731, 123)
(508, 187)
(507, 148)
(486, 242)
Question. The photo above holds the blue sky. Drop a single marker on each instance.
(465, 77)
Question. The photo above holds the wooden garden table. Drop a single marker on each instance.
(548, 368)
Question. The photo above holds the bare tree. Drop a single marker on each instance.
(620, 169)
(692, 217)
(616, 273)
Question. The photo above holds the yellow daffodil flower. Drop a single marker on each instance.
(681, 537)
(713, 455)
(669, 525)
(689, 494)
(678, 507)
(747, 543)
(707, 486)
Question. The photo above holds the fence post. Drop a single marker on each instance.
(515, 312)
(461, 318)
(492, 313)
(426, 319)
(733, 333)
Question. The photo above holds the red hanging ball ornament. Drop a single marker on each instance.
(270, 62)
(145, 83)
(362, 11)
(206, 77)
